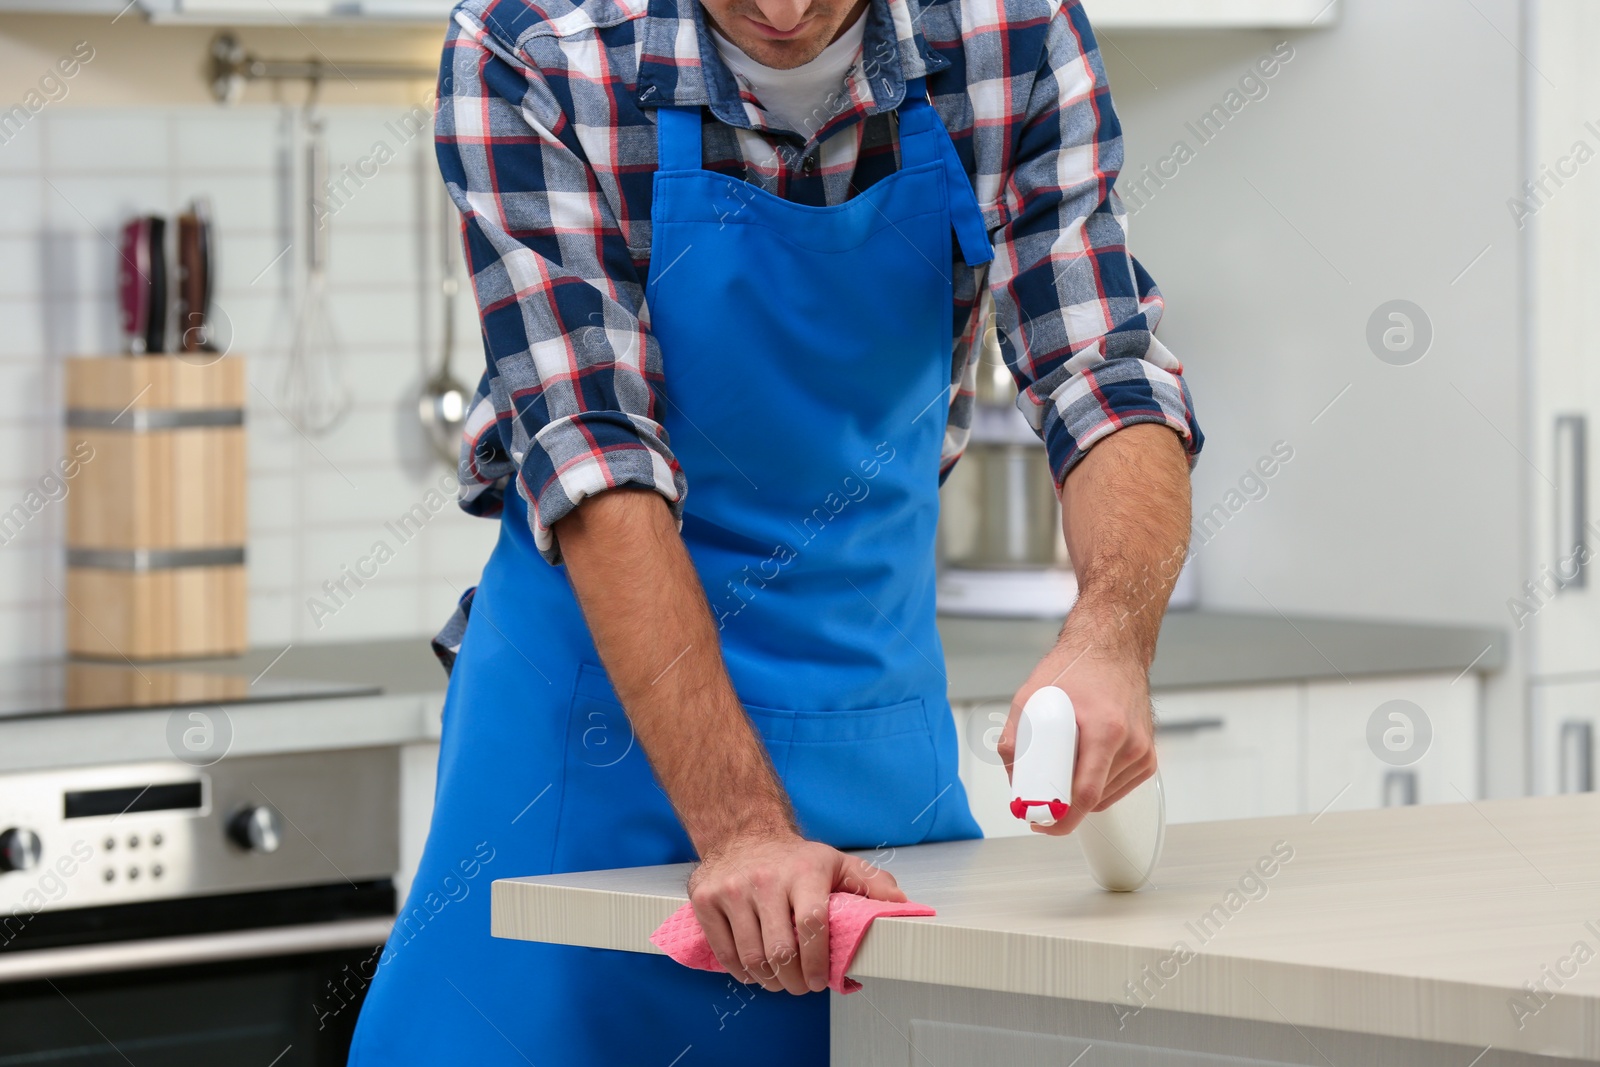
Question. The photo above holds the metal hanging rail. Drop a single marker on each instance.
(232, 68)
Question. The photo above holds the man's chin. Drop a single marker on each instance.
(779, 54)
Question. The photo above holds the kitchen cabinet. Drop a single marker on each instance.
(1431, 726)
(1559, 604)
(1565, 717)
(1104, 14)
(276, 12)
(1235, 752)
(1211, 14)
(1231, 753)
(419, 767)
(1225, 753)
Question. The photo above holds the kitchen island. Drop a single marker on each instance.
(1454, 934)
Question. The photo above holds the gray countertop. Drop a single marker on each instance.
(987, 658)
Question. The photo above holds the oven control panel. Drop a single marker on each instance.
(92, 836)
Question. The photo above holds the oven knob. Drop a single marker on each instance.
(256, 829)
(19, 850)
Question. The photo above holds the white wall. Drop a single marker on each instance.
(66, 185)
(1381, 160)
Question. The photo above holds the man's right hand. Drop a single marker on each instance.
(763, 904)
(761, 890)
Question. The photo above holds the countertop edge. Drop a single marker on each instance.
(1054, 967)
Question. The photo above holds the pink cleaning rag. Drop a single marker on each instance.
(849, 915)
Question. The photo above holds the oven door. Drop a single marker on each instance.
(274, 979)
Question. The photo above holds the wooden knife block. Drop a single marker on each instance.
(156, 520)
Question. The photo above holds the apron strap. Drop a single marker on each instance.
(678, 138)
(924, 139)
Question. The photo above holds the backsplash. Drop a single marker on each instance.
(338, 547)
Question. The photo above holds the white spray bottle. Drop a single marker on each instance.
(1122, 843)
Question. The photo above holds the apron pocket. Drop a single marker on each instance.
(858, 779)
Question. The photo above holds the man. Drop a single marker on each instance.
(730, 321)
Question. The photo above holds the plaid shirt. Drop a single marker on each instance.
(546, 137)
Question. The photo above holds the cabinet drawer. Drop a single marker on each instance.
(1224, 754)
(1230, 753)
(1348, 768)
(1566, 720)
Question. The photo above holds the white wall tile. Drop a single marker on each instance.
(24, 570)
(33, 631)
(377, 316)
(73, 265)
(100, 204)
(377, 256)
(19, 268)
(88, 325)
(375, 494)
(22, 334)
(107, 141)
(316, 503)
(459, 544)
(377, 611)
(21, 149)
(26, 451)
(225, 139)
(253, 261)
(247, 202)
(272, 559)
(332, 555)
(27, 393)
(274, 503)
(272, 618)
(389, 433)
(439, 602)
(252, 323)
(20, 200)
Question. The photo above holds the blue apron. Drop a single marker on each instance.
(807, 355)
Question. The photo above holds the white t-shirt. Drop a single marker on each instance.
(805, 98)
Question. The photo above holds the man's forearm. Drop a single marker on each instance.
(1125, 511)
(648, 615)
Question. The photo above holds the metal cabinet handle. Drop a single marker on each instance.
(1399, 789)
(1570, 566)
(32, 965)
(1189, 726)
(1577, 757)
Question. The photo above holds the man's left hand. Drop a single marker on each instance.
(1110, 692)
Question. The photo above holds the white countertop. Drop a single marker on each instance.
(1421, 922)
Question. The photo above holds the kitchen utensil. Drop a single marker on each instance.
(142, 284)
(1122, 844)
(1000, 503)
(195, 279)
(1001, 509)
(312, 392)
(1000, 521)
(443, 404)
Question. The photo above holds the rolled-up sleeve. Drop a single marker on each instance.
(1076, 312)
(568, 407)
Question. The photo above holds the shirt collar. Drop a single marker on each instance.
(679, 65)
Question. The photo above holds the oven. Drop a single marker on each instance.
(167, 914)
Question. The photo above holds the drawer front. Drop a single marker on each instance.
(1230, 753)
(1393, 741)
(1566, 721)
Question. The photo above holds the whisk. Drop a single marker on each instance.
(312, 392)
